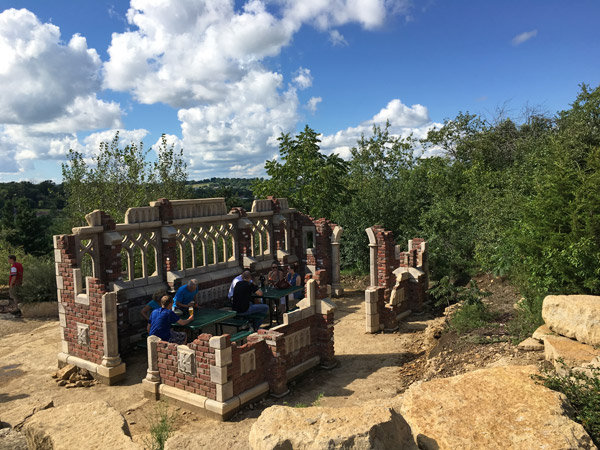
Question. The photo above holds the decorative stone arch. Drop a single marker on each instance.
(373, 257)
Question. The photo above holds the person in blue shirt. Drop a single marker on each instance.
(185, 296)
(152, 304)
(161, 320)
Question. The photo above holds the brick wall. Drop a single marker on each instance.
(402, 280)
(198, 383)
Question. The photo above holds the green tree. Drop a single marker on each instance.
(312, 182)
(120, 178)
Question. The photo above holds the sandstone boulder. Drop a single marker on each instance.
(315, 428)
(66, 372)
(530, 345)
(493, 408)
(542, 331)
(572, 353)
(79, 426)
(574, 316)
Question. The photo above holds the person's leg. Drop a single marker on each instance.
(13, 294)
(258, 308)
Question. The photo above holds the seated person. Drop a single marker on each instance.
(294, 278)
(275, 275)
(235, 281)
(243, 302)
(152, 304)
(161, 320)
(185, 295)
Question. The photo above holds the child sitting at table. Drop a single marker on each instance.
(161, 320)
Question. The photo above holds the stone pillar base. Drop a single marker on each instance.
(105, 375)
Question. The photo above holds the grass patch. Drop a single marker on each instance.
(316, 402)
(471, 316)
(353, 272)
(583, 393)
(161, 427)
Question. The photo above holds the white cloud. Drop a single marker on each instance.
(48, 91)
(206, 58)
(337, 38)
(303, 78)
(236, 134)
(404, 121)
(312, 104)
(523, 37)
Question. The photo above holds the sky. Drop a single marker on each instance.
(223, 79)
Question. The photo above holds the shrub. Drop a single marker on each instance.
(471, 316)
(583, 393)
(161, 427)
(39, 280)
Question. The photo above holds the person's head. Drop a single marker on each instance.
(12, 259)
(166, 301)
(246, 275)
(292, 268)
(158, 295)
(192, 284)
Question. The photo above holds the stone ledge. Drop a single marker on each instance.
(106, 375)
(299, 369)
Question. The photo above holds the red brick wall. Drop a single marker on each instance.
(255, 377)
(200, 382)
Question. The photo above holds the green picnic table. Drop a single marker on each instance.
(202, 318)
(272, 295)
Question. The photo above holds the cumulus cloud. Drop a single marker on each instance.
(404, 121)
(337, 38)
(523, 37)
(207, 59)
(236, 134)
(303, 78)
(48, 89)
(312, 104)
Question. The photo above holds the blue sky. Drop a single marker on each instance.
(223, 79)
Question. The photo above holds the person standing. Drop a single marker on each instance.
(243, 302)
(15, 280)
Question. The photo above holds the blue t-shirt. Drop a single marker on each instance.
(153, 305)
(160, 322)
(183, 296)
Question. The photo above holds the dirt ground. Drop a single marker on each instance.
(378, 366)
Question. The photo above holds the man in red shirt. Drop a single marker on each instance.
(15, 281)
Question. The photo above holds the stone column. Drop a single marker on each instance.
(112, 369)
(152, 381)
(373, 257)
(219, 371)
(336, 287)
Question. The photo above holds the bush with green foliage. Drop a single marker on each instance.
(162, 422)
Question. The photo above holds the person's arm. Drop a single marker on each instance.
(145, 312)
(185, 321)
(259, 293)
(298, 280)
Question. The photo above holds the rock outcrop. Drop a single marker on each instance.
(574, 316)
(499, 407)
(315, 428)
(572, 353)
(79, 426)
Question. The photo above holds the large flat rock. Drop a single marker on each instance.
(315, 428)
(79, 426)
(494, 408)
(572, 353)
(574, 316)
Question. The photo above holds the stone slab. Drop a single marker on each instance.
(574, 316)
